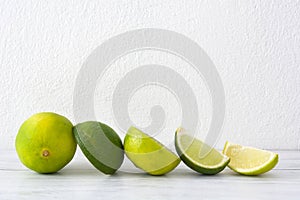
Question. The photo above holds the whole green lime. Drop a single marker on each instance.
(45, 142)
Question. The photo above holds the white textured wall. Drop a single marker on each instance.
(254, 45)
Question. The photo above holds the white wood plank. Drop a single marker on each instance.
(10, 161)
(79, 180)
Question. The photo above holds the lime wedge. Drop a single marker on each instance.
(249, 160)
(197, 155)
(148, 154)
(101, 145)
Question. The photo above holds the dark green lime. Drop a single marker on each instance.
(101, 145)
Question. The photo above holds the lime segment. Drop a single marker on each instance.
(249, 160)
(197, 155)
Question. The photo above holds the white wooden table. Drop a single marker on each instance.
(79, 180)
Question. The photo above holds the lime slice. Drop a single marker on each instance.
(197, 155)
(248, 160)
(101, 145)
(148, 154)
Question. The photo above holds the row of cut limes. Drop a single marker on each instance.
(47, 142)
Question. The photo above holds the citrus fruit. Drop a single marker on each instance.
(45, 142)
(101, 145)
(249, 160)
(148, 154)
(197, 155)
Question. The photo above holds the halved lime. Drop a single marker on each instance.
(249, 160)
(101, 145)
(148, 154)
(197, 155)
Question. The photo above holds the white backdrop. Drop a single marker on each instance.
(254, 45)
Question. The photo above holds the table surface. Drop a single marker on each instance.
(79, 180)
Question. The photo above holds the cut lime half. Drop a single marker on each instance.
(148, 154)
(101, 145)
